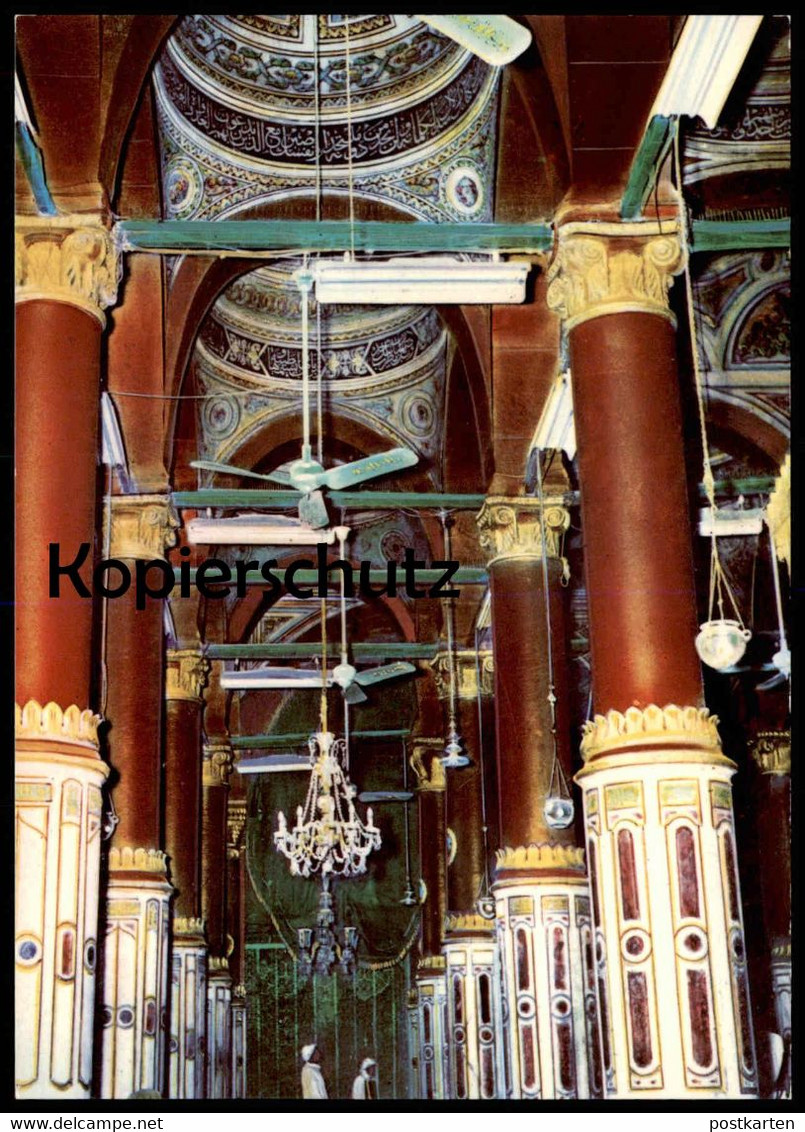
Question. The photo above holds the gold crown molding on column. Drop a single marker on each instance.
(544, 858)
(466, 673)
(128, 859)
(603, 268)
(239, 991)
(510, 527)
(426, 764)
(188, 931)
(781, 950)
(67, 259)
(778, 512)
(235, 822)
(185, 674)
(467, 923)
(669, 726)
(218, 965)
(217, 763)
(771, 750)
(430, 964)
(72, 725)
(143, 526)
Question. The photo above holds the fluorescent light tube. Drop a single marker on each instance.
(247, 679)
(730, 523)
(255, 530)
(432, 279)
(273, 764)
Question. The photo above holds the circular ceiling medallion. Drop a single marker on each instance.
(465, 190)
(183, 186)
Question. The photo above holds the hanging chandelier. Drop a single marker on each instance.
(329, 836)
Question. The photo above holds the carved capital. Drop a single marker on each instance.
(217, 763)
(219, 965)
(239, 992)
(130, 860)
(71, 725)
(143, 526)
(188, 931)
(778, 512)
(466, 673)
(637, 727)
(510, 527)
(546, 858)
(607, 268)
(427, 766)
(185, 674)
(67, 259)
(771, 750)
(235, 822)
(430, 965)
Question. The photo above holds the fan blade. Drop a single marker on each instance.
(312, 510)
(370, 466)
(231, 470)
(774, 682)
(384, 672)
(496, 39)
(353, 695)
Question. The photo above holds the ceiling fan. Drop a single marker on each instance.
(307, 475)
(348, 678)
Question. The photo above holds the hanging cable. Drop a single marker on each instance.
(317, 128)
(453, 754)
(408, 897)
(349, 143)
(558, 806)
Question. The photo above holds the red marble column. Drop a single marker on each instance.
(425, 760)
(135, 977)
(66, 274)
(541, 902)
(659, 824)
(216, 768)
(185, 676)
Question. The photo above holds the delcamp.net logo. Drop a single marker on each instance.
(213, 578)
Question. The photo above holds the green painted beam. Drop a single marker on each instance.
(646, 164)
(464, 576)
(737, 235)
(348, 500)
(171, 237)
(297, 650)
(750, 485)
(269, 742)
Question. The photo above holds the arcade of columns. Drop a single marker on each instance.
(590, 981)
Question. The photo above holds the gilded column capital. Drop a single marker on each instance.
(664, 731)
(143, 526)
(426, 764)
(67, 259)
(510, 527)
(51, 722)
(127, 859)
(771, 750)
(778, 512)
(217, 763)
(235, 824)
(603, 268)
(188, 931)
(466, 673)
(185, 674)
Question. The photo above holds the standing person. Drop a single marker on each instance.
(313, 1086)
(364, 1087)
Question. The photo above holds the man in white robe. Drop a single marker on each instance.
(313, 1086)
(364, 1087)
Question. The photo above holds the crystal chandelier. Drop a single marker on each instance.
(329, 836)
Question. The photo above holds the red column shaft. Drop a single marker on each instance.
(183, 802)
(213, 865)
(57, 408)
(432, 836)
(522, 711)
(134, 710)
(464, 807)
(637, 539)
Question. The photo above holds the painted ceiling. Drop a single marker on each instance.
(382, 366)
(255, 109)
